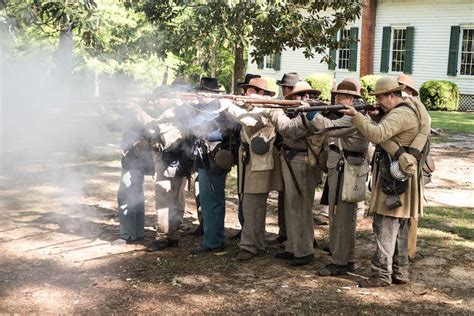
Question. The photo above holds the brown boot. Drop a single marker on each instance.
(373, 282)
(245, 255)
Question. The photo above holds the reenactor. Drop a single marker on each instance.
(396, 185)
(347, 152)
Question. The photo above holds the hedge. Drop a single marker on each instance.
(440, 95)
(368, 85)
(323, 83)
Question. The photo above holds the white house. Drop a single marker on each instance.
(428, 39)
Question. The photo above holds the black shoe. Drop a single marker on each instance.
(315, 244)
(245, 255)
(281, 239)
(351, 266)
(135, 241)
(197, 232)
(203, 249)
(301, 261)
(399, 281)
(158, 245)
(373, 282)
(333, 269)
(284, 255)
(236, 236)
(328, 250)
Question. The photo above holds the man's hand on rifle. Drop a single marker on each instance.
(348, 110)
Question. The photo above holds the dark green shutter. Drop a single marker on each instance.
(277, 63)
(332, 54)
(384, 58)
(409, 50)
(260, 64)
(353, 49)
(454, 50)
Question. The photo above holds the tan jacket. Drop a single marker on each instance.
(262, 172)
(350, 138)
(401, 125)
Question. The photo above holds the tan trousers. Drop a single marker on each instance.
(170, 201)
(412, 232)
(342, 223)
(253, 231)
(298, 208)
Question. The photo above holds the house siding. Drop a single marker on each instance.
(432, 21)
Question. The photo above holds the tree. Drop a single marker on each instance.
(192, 27)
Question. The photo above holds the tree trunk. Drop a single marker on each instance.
(239, 67)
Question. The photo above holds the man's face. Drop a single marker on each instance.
(386, 101)
(301, 97)
(344, 99)
(251, 90)
(286, 90)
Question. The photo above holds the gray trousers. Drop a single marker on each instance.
(169, 198)
(391, 256)
(131, 202)
(299, 208)
(253, 231)
(342, 223)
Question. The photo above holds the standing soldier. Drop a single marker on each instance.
(259, 169)
(396, 190)
(301, 174)
(287, 84)
(346, 146)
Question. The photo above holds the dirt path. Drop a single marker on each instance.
(58, 220)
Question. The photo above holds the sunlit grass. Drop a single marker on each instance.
(453, 122)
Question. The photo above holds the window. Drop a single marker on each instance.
(269, 61)
(467, 52)
(344, 52)
(398, 49)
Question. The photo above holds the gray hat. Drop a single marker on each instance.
(289, 79)
(208, 84)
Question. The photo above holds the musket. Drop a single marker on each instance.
(328, 108)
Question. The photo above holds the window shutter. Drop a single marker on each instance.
(454, 50)
(409, 50)
(277, 64)
(260, 64)
(384, 58)
(332, 54)
(353, 49)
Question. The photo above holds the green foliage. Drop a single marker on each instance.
(323, 83)
(440, 95)
(367, 84)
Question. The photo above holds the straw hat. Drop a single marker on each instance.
(302, 87)
(289, 79)
(259, 83)
(348, 87)
(408, 82)
(387, 85)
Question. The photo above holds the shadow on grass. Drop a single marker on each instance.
(452, 220)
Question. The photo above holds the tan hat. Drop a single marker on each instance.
(347, 87)
(409, 82)
(259, 83)
(302, 87)
(387, 85)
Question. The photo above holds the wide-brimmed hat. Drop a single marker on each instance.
(289, 79)
(348, 87)
(208, 84)
(302, 87)
(387, 85)
(408, 82)
(259, 83)
(247, 79)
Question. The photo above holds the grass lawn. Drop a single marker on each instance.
(453, 122)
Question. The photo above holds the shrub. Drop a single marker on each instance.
(323, 83)
(368, 86)
(441, 95)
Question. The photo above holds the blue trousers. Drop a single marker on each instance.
(212, 198)
(131, 202)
